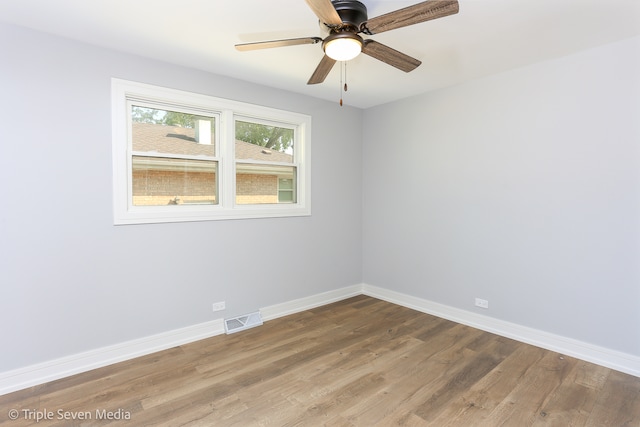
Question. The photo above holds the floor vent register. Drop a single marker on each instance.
(240, 323)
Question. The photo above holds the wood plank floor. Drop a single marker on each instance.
(358, 362)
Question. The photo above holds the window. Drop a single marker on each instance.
(180, 156)
(173, 157)
(263, 161)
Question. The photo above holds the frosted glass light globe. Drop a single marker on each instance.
(343, 48)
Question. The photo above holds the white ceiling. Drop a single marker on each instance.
(485, 37)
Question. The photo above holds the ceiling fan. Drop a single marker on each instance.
(344, 20)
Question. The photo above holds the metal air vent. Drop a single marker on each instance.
(240, 323)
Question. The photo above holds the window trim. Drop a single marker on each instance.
(123, 91)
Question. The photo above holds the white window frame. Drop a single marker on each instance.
(225, 111)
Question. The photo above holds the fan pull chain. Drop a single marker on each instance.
(343, 73)
(345, 76)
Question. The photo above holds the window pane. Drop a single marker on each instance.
(259, 184)
(286, 191)
(172, 132)
(256, 141)
(159, 181)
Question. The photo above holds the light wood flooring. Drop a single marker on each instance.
(358, 362)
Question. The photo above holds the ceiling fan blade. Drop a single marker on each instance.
(322, 70)
(390, 56)
(421, 12)
(325, 11)
(278, 43)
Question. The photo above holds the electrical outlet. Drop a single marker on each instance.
(219, 306)
(482, 303)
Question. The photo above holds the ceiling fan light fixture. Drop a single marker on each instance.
(342, 46)
(344, 20)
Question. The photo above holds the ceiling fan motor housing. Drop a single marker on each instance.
(352, 12)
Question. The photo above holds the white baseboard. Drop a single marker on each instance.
(616, 360)
(41, 373)
(59, 368)
(66, 366)
(298, 305)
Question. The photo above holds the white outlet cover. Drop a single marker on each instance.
(482, 303)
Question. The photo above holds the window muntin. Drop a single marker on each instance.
(185, 176)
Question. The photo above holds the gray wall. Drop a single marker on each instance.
(523, 189)
(72, 281)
